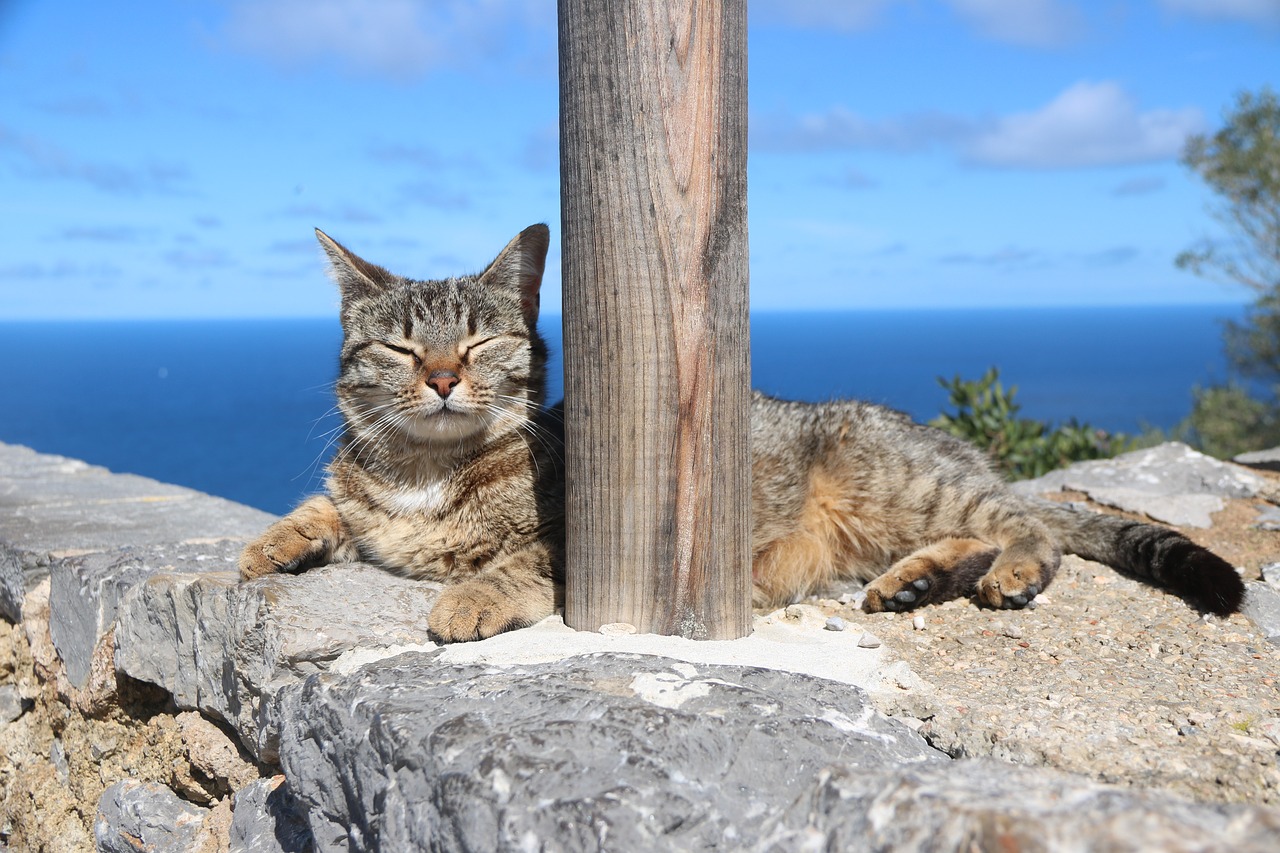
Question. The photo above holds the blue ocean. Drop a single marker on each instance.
(242, 409)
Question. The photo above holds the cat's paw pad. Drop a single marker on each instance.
(280, 549)
(1010, 588)
(268, 556)
(472, 610)
(895, 594)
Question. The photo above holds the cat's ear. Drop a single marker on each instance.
(519, 267)
(355, 276)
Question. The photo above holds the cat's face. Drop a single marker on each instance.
(441, 362)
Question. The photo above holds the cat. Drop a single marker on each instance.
(450, 469)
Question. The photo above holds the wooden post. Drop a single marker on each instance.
(653, 150)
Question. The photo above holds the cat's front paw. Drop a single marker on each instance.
(473, 610)
(275, 552)
(306, 537)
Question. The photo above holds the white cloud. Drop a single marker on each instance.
(840, 128)
(1008, 257)
(1032, 23)
(1090, 124)
(39, 158)
(1035, 23)
(846, 15)
(1255, 11)
(397, 38)
(1142, 185)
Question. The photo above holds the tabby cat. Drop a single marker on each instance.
(450, 469)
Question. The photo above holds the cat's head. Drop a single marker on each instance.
(447, 361)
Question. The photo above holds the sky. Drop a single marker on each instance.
(170, 159)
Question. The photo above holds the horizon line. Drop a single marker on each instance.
(846, 309)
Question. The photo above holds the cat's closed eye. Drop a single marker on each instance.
(467, 348)
(402, 350)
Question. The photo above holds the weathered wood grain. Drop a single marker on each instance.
(653, 141)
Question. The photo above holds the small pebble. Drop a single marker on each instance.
(835, 623)
(58, 758)
(1270, 727)
(847, 598)
(11, 704)
(918, 623)
(868, 640)
(1011, 631)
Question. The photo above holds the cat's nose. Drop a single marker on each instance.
(443, 381)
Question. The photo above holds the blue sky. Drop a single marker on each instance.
(170, 159)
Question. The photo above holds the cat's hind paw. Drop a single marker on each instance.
(1013, 583)
(888, 593)
(993, 593)
(939, 571)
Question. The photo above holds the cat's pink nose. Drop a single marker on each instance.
(443, 381)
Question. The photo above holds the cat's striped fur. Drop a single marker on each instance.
(450, 470)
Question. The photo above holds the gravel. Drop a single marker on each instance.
(1107, 677)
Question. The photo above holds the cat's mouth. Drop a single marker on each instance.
(443, 421)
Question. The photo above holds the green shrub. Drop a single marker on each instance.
(1226, 420)
(987, 415)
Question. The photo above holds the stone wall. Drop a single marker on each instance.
(148, 701)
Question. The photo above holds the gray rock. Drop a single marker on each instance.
(988, 805)
(1177, 509)
(85, 591)
(226, 648)
(1271, 574)
(135, 816)
(1267, 460)
(58, 758)
(52, 506)
(868, 640)
(1262, 607)
(1170, 483)
(1268, 517)
(604, 751)
(265, 819)
(12, 705)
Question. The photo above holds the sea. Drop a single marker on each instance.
(243, 408)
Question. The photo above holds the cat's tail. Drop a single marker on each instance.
(1155, 554)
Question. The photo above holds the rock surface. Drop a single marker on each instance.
(1170, 483)
(226, 648)
(1267, 460)
(135, 816)
(624, 752)
(53, 506)
(85, 591)
(1002, 728)
(987, 805)
(266, 820)
(1262, 607)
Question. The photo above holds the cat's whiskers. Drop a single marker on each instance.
(527, 426)
(332, 410)
(373, 437)
(333, 436)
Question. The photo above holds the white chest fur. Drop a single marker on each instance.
(423, 499)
